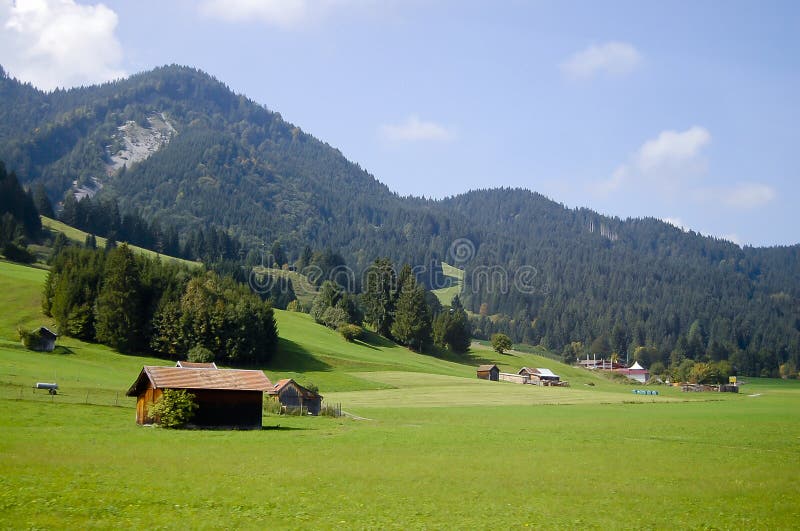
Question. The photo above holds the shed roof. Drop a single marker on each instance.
(545, 372)
(201, 378)
(284, 382)
(196, 365)
(486, 367)
(46, 332)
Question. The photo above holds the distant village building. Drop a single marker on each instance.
(635, 372)
(225, 397)
(489, 372)
(601, 364)
(292, 395)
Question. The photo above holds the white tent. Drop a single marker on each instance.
(636, 367)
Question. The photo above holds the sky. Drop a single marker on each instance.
(683, 111)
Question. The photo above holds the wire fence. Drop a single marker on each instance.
(97, 397)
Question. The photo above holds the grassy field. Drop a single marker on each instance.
(79, 236)
(456, 276)
(438, 448)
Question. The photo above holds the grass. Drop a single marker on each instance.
(304, 289)
(455, 278)
(440, 449)
(79, 236)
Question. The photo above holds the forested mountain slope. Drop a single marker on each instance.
(544, 272)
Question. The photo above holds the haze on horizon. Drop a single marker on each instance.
(685, 111)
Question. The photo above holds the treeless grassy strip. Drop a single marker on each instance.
(79, 236)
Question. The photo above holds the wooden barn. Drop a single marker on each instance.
(540, 376)
(489, 372)
(292, 395)
(225, 397)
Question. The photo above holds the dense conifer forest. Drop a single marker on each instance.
(235, 181)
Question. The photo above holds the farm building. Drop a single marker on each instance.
(42, 339)
(635, 372)
(489, 372)
(513, 378)
(225, 397)
(540, 376)
(292, 395)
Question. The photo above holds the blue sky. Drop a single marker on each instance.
(685, 111)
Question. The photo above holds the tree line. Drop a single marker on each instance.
(138, 304)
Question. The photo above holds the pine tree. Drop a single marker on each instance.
(378, 296)
(412, 320)
(118, 310)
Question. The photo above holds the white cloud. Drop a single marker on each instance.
(672, 148)
(414, 129)
(666, 159)
(59, 43)
(281, 13)
(611, 57)
(747, 195)
(284, 14)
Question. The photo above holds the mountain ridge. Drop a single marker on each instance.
(235, 165)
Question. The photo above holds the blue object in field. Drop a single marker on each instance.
(644, 392)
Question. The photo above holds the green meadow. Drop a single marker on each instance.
(430, 445)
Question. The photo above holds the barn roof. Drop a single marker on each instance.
(545, 372)
(486, 367)
(196, 365)
(202, 378)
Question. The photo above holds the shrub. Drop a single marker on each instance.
(272, 406)
(200, 354)
(17, 253)
(294, 306)
(350, 332)
(174, 408)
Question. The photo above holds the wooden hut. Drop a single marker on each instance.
(489, 372)
(292, 395)
(225, 397)
(42, 339)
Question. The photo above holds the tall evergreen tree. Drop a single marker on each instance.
(378, 296)
(412, 319)
(118, 311)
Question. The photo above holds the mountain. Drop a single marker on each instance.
(177, 146)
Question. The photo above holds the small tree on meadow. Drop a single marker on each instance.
(501, 343)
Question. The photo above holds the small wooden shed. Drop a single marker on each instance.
(225, 397)
(42, 339)
(489, 372)
(292, 395)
